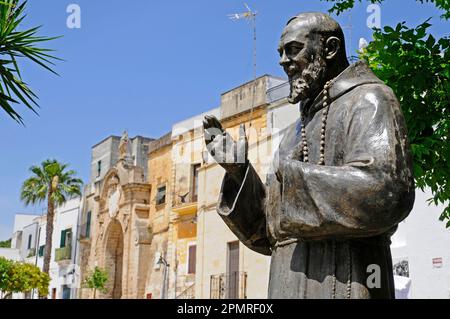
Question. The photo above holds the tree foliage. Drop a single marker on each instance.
(16, 45)
(18, 277)
(97, 280)
(416, 66)
(51, 177)
(5, 243)
(340, 6)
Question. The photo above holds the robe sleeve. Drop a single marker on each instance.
(241, 206)
(371, 193)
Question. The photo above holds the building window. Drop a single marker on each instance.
(66, 238)
(99, 168)
(192, 255)
(233, 270)
(41, 250)
(195, 168)
(88, 224)
(161, 195)
(29, 241)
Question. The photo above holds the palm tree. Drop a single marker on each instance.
(52, 182)
(15, 45)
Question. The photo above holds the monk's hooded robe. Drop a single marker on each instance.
(328, 228)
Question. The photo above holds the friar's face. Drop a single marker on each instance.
(301, 53)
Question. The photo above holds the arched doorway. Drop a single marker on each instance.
(114, 260)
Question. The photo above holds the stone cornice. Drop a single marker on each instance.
(137, 186)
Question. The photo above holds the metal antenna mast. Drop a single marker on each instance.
(350, 37)
(250, 16)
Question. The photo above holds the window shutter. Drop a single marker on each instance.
(88, 224)
(68, 237)
(41, 250)
(192, 259)
(63, 239)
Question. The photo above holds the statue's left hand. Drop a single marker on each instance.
(231, 155)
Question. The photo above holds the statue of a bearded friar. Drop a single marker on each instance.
(342, 177)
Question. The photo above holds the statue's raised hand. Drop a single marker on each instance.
(231, 155)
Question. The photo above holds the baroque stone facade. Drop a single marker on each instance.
(121, 234)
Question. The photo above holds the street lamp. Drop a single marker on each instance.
(163, 261)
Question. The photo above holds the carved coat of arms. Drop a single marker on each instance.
(114, 195)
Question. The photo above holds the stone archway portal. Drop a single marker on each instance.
(114, 260)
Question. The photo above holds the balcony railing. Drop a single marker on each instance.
(189, 293)
(63, 253)
(31, 252)
(183, 200)
(229, 285)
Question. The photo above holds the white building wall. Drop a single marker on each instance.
(10, 253)
(421, 238)
(66, 216)
(29, 238)
(20, 221)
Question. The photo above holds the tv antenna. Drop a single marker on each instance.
(349, 27)
(250, 17)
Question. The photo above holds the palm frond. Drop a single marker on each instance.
(34, 190)
(38, 187)
(14, 45)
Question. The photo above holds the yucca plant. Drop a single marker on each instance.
(14, 46)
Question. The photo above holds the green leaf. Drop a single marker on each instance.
(430, 42)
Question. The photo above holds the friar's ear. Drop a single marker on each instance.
(332, 47)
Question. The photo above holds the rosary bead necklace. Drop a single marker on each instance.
(326, 104)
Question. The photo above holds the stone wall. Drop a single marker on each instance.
(107, 151)
(242, 98)
(160, 173)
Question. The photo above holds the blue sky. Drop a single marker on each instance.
(143, 65)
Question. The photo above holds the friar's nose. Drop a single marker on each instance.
(284, 59)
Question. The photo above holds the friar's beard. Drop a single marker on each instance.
(306, 85)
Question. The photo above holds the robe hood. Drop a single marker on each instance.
(353, 76)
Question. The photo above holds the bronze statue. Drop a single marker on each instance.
(342, 177)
